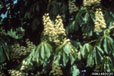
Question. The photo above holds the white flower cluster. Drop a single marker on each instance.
(72, 7)
(53, 32)
(1, 73)
(90, 2)
(15, 73)
(19, 51)
(24, 66)
(100, 21)
(56, 70)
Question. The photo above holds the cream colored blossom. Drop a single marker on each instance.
(99, 20)
(15, 73)
(53, 32)
(2, 73)
(72, 7)
(18, 51)
(56, 70)
(90, 2)
(112, 25)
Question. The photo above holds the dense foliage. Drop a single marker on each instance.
(56, 37)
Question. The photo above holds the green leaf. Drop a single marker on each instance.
(75, 71)
(12, 34)
(16, 34)
(42, 51)
(98, 55)
(72, 59)
(90, 60)
(79, 55)
(57, 57)
(72, 27)
(48, 49)
(105, 46)
(100, 50)
(85, 18)
(36, 51)
(86, 49)
(83, 51)
(108, 64)
(40, 54)
(65, 59)
(6, 50)
(110, 43)
(95, 57)
(27, 15)
(34, 55)
(67, 49)
(2, 56)
(92, 15)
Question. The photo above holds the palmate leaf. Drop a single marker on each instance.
(65, 53)
(72, 26)
(95, 56)
(36, 53)
(71, 52)
(76, 44)
(28, 61)
(88, 27)
(16, 34)
(77, 22)
(40, 54)
(92, 15)
(90, 60)
(108, 44)
(44, 50)
(12, 34)
(109, 18)
(79, 18)
(99, 55)
(108, 64)
(100, 50)
(86, 49)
